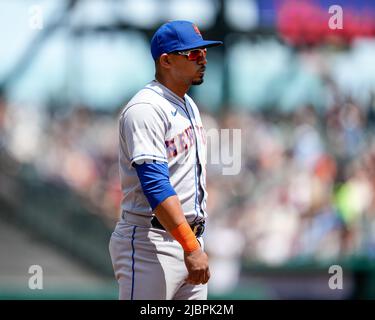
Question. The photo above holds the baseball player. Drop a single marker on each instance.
(157, 249)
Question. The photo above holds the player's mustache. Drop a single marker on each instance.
(202, 69)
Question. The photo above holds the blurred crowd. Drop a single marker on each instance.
(305, 189)
(75, 148)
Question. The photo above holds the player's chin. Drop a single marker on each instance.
(197, 82)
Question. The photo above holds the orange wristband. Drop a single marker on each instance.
(185, 236)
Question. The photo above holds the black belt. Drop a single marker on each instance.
(197, 227)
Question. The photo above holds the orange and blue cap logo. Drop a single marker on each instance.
(196, 29)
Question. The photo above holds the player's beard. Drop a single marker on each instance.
(197, 82)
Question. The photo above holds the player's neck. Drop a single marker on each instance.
(176, 88)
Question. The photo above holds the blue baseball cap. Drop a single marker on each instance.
(178, 35)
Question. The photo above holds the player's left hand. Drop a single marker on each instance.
(197, 265)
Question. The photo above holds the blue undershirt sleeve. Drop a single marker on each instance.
(154, 178)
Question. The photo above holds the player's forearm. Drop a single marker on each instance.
(171, 216)
(169, 213)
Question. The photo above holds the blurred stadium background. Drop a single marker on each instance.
(302, 94)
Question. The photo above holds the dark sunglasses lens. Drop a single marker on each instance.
(195, 54)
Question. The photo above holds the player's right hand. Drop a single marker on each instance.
(197, 265)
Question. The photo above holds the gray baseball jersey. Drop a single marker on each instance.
(158, 125)
(148, 262)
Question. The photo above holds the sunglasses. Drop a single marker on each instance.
(193, 55)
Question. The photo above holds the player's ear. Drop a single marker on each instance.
(165, 60)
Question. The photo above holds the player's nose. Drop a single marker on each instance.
(202, 60)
